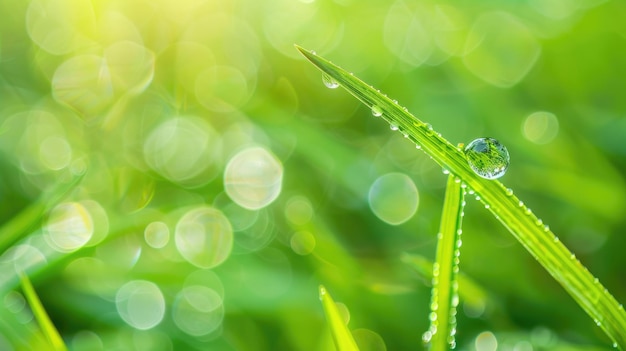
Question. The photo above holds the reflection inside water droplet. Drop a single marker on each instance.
(487, 157)
(377, 111)
(329, 81)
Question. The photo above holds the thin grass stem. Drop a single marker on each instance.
(445, 293)
(41, 316)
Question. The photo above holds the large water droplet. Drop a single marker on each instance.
(329, 81)
(487, 157)
(377, 111)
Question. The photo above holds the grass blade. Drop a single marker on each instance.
(445, 295)
(472, 294)
(19, 224)
(529, 230)
(41, 316)
(341, 335)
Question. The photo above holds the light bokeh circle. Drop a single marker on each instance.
(198, 310)
(204, 237)
(141, 304)
(253, 178)
(69, 227)
(184, 150)
(394, 198)
(157, 234)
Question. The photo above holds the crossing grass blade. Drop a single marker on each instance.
(529, 230)
(341, 335)
(445, 295)
(11, 231)
(471, 293)
(41, 316)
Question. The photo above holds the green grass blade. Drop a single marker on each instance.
(19, 224)
(41, 316)
(506, 207)
(341, 335)
(473, 295)
(445, 295)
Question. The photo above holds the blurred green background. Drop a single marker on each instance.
(222, 183)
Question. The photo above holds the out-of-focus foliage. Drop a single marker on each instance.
(222, 182)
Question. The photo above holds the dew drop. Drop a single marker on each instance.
(539, 222)
(313, 52)
(329, 81)
(521, 203)
(446, 171)
(427, 336)
(614, 345)
(393, 126)
(418, 146)
(377, 111)
(395, 102)
(457, 180)
(429, 129)
(405, 135)
(455, 302)
(509, 192)
(546, 228)
(322, 292)
(487, 157)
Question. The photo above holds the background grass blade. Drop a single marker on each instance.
(19, 225)
(40, 314)
(341, 335)
(445, 295)
(529, 230)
